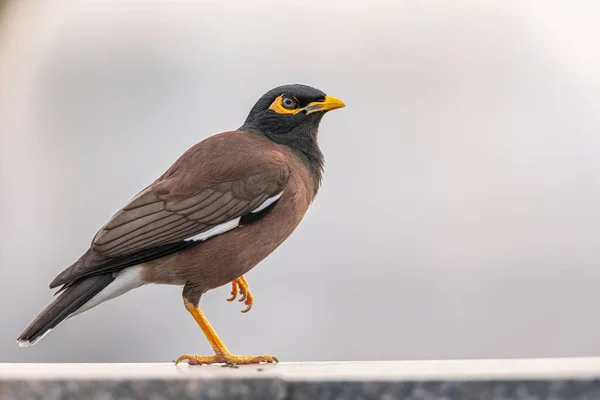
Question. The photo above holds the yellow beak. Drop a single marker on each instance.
(330, 103)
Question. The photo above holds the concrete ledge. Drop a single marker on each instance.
(477, 379)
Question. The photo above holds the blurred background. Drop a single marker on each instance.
(460, 211)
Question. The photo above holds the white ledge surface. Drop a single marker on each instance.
(472, 370)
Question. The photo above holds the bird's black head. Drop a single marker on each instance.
(290, 115)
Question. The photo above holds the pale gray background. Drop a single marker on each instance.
(460, 212)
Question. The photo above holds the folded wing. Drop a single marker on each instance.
(174, 213)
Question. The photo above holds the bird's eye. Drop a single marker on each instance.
(285, 104)
(289, 103)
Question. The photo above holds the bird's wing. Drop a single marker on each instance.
(208, 191)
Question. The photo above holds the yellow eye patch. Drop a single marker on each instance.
(278, 107)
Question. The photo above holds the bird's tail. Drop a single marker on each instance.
(72, 298)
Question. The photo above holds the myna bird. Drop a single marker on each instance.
(219, 210)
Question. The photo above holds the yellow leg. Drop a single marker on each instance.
(241, 285)
(222, 355)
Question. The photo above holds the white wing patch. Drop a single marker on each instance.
(267, 202)
(232, 224)
(216, 230)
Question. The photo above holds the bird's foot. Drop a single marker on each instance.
(230, 359)
(241, 285)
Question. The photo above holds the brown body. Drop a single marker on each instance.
(226, 257)
(197, 193)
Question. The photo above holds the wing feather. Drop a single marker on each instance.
(183, 204)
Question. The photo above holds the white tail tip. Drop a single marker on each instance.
(27, 343)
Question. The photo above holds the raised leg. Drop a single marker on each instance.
(222, 355)
(241, 285)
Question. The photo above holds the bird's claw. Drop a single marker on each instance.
(240, 286)
(234, 291)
